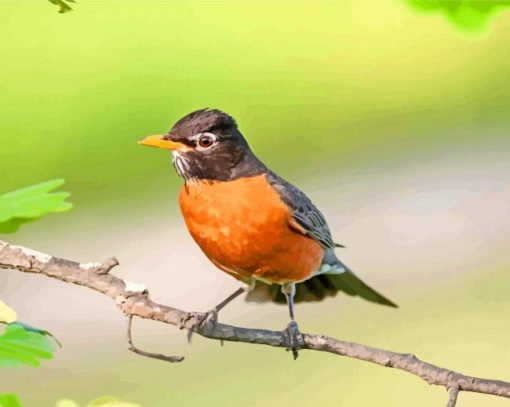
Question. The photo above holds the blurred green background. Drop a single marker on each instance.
(396, 123)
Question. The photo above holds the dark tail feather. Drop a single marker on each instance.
(349, 283)
(319, 287)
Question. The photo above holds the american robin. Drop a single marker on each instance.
(250, 222)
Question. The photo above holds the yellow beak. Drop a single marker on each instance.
(161, 142)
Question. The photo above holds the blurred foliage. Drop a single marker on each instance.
(345, 89)
(31, 203)
(7, 314)
(468, 15)
(105, 401)
(21, 346)
(20, 343)
(63, 7)
(30, 328)
(9, 400)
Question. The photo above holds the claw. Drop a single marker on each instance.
(293, 338)
(200, 319)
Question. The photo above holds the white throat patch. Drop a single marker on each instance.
(181, 164)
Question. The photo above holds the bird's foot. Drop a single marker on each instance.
(199, 320)
(293, 338)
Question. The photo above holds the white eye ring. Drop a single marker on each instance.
(201, 139)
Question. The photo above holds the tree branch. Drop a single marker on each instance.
(133, 299)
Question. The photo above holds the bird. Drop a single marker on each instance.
(251, 223)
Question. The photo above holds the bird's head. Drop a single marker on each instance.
(206, 144)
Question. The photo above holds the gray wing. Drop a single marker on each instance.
(304, 212)
(333, 276)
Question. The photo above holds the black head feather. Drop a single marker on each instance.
(204, 120)
(228, 158)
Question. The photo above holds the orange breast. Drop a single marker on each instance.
(243, 227)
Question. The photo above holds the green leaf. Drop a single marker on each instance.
(7, 314)
(9, 400)
(44, 332)
(468, 15)
(20, 346)
(63, 7)
(28, 204)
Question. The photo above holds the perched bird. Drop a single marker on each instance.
(251, 223)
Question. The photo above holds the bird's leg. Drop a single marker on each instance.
(210, 317)
(293, 336)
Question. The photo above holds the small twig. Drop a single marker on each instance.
(453, 392)
(133, 299)
(138, 351)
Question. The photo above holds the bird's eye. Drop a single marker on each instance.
(205, 141)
